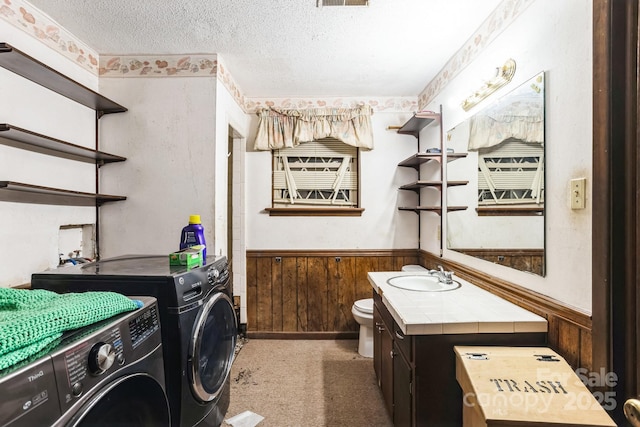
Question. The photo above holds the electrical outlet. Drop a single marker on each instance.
(439, 233)
(577, 189)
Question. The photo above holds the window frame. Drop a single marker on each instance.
(302, 209)
(513, 162)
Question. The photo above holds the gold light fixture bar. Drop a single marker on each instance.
(504, 76)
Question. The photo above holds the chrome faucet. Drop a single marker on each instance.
(442, 275)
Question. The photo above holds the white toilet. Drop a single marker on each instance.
(362, 311)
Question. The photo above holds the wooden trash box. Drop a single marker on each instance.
(523, 386)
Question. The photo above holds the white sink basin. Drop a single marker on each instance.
(421, 283)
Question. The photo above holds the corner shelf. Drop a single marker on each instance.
(419, 158)
(414, 162)
(419, 121)
(413, 127)
(32, 141)
(436, 209)
(26, 193)
(30, 68)
(417, 185)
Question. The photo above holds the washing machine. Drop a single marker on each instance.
(108, 374)
(199, 324)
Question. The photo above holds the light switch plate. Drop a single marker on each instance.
(577, 189)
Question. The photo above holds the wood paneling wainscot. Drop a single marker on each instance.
(531, 260)
(309, 294)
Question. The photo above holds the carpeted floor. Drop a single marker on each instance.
(306, 383)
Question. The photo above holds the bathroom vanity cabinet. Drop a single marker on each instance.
(415, 362)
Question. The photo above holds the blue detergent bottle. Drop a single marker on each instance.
(193, 234)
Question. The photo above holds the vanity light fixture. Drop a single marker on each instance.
(503, 76)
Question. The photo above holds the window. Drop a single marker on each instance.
(320, 175)
(511, 173)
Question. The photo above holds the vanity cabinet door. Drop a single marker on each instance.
(386, 365)
(383, 357)
(403, 343)
(378, 327)
(402, 390)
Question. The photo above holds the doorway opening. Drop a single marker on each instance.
(236, 245)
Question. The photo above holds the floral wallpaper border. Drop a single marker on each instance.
(26, 17)
(158, 65)
(213, 65)
(32, 21)
(388, 104)
(506, 12)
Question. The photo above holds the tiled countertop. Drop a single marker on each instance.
(466, 310)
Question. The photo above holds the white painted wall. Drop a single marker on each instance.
(228, 114)
(168, 137)
(555, 37)
(30, 232)
(381, 225)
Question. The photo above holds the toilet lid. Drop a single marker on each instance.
(364, 305)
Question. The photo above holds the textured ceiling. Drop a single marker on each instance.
(287, 48)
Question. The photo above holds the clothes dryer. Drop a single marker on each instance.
(108, 374)
(199, 325)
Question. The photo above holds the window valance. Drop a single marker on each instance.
(522, 119)
(280, 128)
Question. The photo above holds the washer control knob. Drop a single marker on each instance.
(101, 357)
(76, 389)
(213, 274)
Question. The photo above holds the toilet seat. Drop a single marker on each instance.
(364, 305)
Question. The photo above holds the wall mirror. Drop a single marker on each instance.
(504, 221)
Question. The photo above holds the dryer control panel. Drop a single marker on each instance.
(94, 357)
(39, 391)
(197, 283)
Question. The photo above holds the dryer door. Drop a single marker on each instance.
(212, 347)
(135, 400)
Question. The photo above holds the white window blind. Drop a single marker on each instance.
(511, 173)
(317, 173)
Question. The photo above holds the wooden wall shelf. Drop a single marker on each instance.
(413, 127)
(32, 141)
(30, 68)
(419, 158)
(418, 122)
(11, 191)
(436, 209)
(417, 185)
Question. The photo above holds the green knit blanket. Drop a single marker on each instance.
(30, 320)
